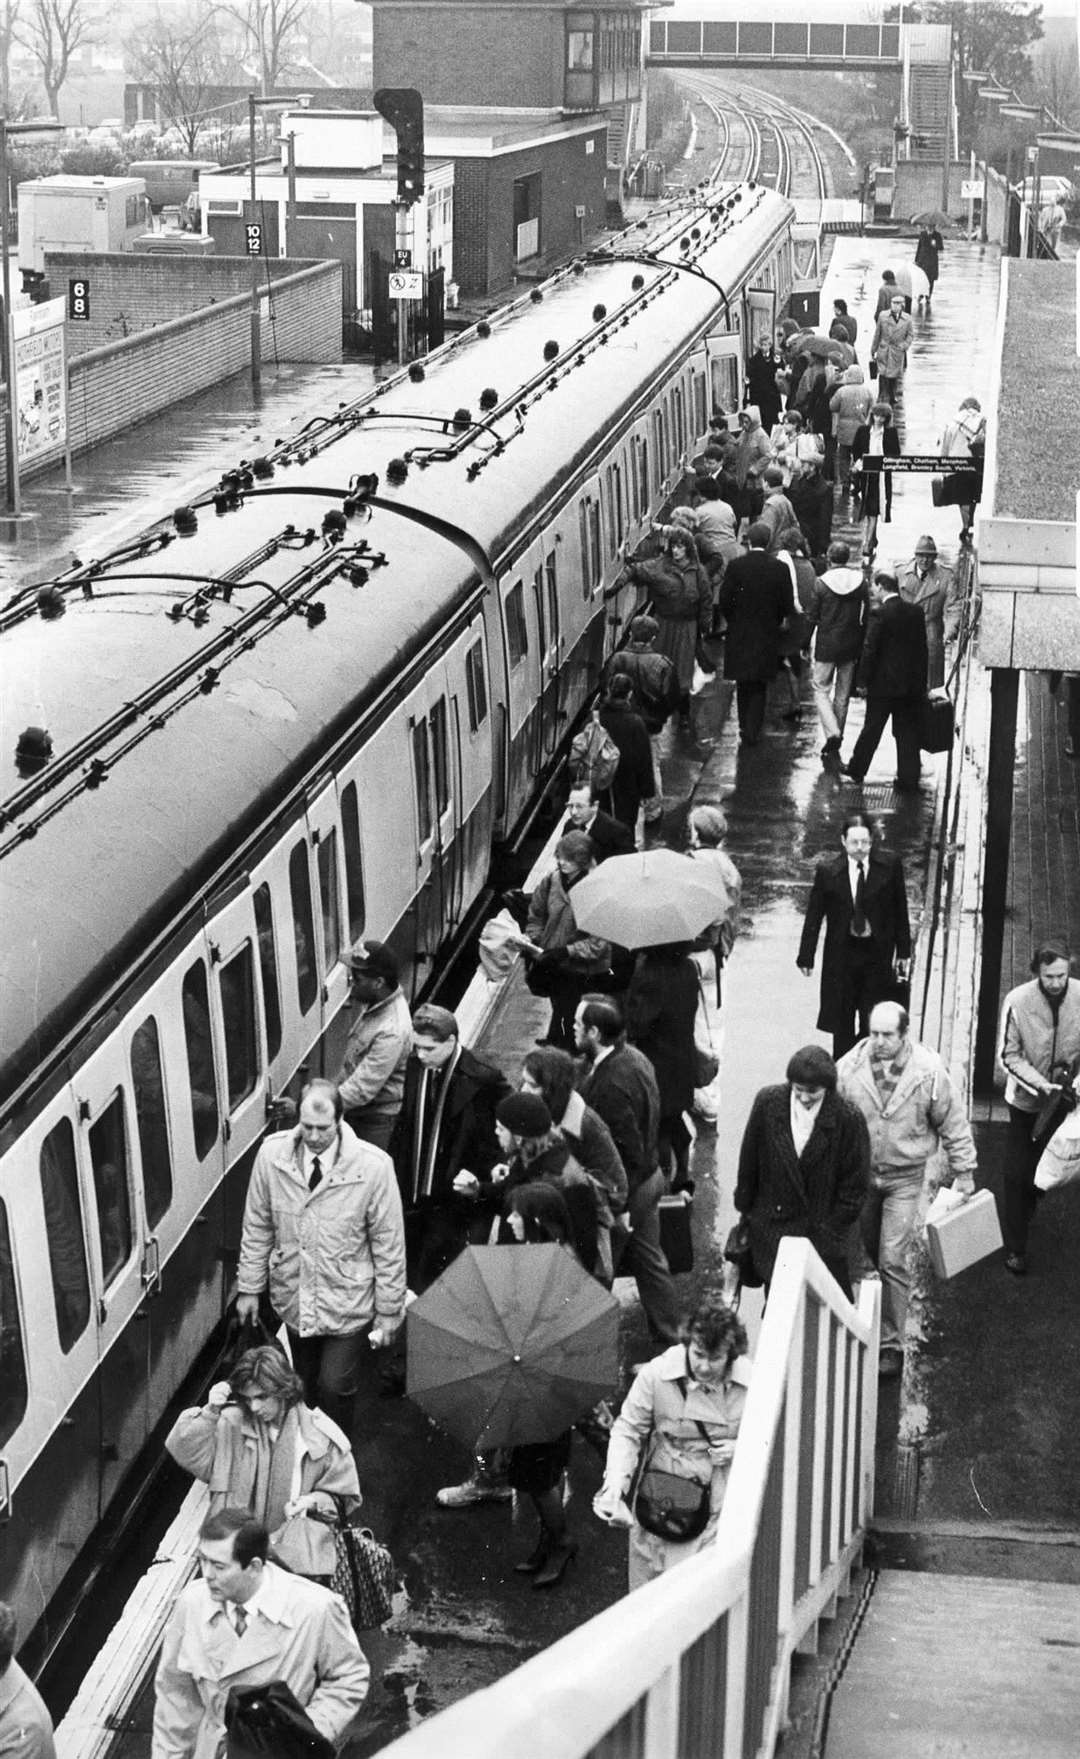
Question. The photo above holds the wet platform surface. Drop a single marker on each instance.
(468, 1618)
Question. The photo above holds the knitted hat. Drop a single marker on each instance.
(524, 1114)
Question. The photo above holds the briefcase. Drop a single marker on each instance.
(676, 1238)
(963, 1235)
(936, 723)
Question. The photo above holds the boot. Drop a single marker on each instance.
(528, 1566)
(552, 1571)
(830, 757)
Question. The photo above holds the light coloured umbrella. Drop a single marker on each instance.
(650, 898)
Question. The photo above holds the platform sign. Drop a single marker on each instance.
(972, 189)
(406, 284)
(253, 235)
(79, 300)
(41, 381)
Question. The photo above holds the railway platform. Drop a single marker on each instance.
(991, 1365)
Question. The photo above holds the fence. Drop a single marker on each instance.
(696, 1665)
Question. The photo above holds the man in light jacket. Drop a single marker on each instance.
(893, 336)
(837, 612)
(926, 582)
(372, 1077)
(243, 1623)
(1039, 1042)
(323, 1234)
(911, 1107)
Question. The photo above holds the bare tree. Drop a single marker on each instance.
(9, 20)
(52, 31)
(179, 55)
(269, 29)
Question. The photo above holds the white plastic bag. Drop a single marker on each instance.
(1059, 1163)
(500, 944)
(700, 679)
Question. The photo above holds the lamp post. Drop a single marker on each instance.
(45, 125)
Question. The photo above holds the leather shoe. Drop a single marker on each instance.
(528, 1566)
(1016, 1263)
(552, 1571)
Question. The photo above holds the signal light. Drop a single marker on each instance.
(403, 108)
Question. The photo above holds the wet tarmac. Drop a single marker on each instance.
(466, 1617)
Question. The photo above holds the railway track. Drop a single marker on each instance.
(763, 139)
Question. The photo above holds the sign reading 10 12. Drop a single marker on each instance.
(406, 284)
(253, 235)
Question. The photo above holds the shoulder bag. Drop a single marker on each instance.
(670, 1506)
(738, 1252)
(706, 1062)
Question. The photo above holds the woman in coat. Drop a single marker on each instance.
(927, 252)
(804, 1166)
(681, 598)
(683, 1412)
(753, 455)
(761, 388)
(259, 1447)
(851, 402)
(538, 1154)
(564, 962)
(635, 779)
(876, 439)
(661, 1008)
(550, 1073)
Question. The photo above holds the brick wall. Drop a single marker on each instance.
(484, 243)
(135, 291)
(113, 387)
(480, 55)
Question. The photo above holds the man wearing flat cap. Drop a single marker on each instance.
(372, 1075)
(926, 582)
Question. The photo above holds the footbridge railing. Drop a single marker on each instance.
(698, 1662)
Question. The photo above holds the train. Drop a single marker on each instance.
(303, 709)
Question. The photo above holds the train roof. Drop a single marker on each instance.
(105, 865)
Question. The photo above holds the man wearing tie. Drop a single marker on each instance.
(861, 897)
(243, 1623)
(324, 1237)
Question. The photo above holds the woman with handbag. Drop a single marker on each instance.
(259, 1447)
(706, 828)
(563, 962)
(875, 441)
(672, 1443)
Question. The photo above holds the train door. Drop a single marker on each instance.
(699, 398)
(119, 1268)
(180, 1165)
(331, 933)
(284, 931)
(238, 1021)
(725, 374)
(523, 656)
(541, 562)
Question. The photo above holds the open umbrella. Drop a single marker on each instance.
(512, 1344)
(823, 347)
(934, 218)
(650, 898)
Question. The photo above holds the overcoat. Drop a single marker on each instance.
(467, 1140)
(816, 1196)
(756, 598)
(622, 1090)
(300, 1634)
(831, 902)
(681, 597)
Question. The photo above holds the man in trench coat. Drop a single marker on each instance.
(757, 600)
(244, 1622)
(866, 953)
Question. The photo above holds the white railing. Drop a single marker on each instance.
(699, 1661)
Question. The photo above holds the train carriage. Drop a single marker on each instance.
(302, 710)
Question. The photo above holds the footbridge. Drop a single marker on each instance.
(712, 42)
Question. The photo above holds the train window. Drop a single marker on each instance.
(422, 779)
(307, 977)
(237, 983)
(476, 686)
(658, 446)
(586, 550)
(151, 1118)
(632, 482)
(678, 404)
(517, 634)
(354, 861)
(200, 1057)
(617, 503)
(330, 896)
(13, 1392)
(643, 476)
(596, 562)
(108, 1162)
(264, 930)
(440, 755)
(64, 1232)
(701, 419)
(551, 575)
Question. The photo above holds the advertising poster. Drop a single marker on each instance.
(40, 381)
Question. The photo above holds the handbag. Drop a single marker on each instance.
(268, 1722)
(669, 1505)
(706, 1062)
(738, 1251)
(1059, 1163)
(873, 367)
(937, 723)
(364, 1573)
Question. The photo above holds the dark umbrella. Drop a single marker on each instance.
(934, 220)
(512, 1344)
(823, 347)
